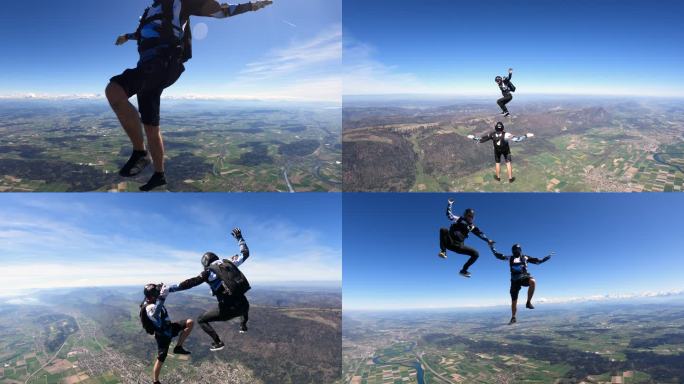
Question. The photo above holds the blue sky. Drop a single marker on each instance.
(290, 50)
(621, 47)
(131, 239)
(605, 244)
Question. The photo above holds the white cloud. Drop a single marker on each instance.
(39, 252)
(306, 70)
(440, 303)
(365, 75)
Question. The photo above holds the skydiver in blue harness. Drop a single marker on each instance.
(520, 277)
(164, 44)
(156, 321)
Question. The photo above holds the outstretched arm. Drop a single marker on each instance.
(482, 236)
(518, 139)
(510, 73)
(192, 282)
(485, 138)
(498, 254)
(535, 260)
(212, 8)
(244, 250)
(449, 214)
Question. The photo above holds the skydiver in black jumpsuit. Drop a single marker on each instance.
(506, 88)
(453, 238)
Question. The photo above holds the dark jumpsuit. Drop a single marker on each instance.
(501, 147)
(520, 277)
(453, 238)
(160, 64)
(505, 88)
(229, 306)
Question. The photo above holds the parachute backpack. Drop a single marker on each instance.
(147, 324)
(164, 12)
(510, 85)
(233, 282)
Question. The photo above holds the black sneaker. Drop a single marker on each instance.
(512, 179)
(135, 164)
(529, 306)
(497, 178)
(507, 114)
(243, 328)
(217, 346)
(157, 180)
(178, 350)
(442, 254)
(513, 321)
(464, 273)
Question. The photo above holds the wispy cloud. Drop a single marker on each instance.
(364, 74)
(293, 25)
(72, 252)
(308, 69)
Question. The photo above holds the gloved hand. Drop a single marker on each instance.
(164, 291)
(530, 135)
(450, 201)
(510, 70)
(257, 5)
(236, 233)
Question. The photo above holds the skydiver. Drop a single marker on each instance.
(155, 320)
(520, 277)
(500, 140)
(453, 238)
(506, 88)
(228, 285)
(164, 44)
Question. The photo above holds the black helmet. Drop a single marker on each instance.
(498, 79)
(469, 212)
(499, 127)
(208, 258)
(152, 291)
(516, 249)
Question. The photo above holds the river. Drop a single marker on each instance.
(659, 158)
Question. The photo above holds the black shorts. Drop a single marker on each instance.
(163, 340)
(506, 155)
(148, 80)
(516, 285)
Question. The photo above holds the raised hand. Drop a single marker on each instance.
(236, 233)
(450, 201)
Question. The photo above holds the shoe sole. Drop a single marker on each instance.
(216, 349)
(466, 276)
(140, 170)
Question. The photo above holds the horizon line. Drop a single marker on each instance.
(551, 301)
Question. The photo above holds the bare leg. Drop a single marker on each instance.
(157, 369)
(127, 114)
(530, 292)
(186, 332)
(509, 166)
(156, 144)
(498, 170)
